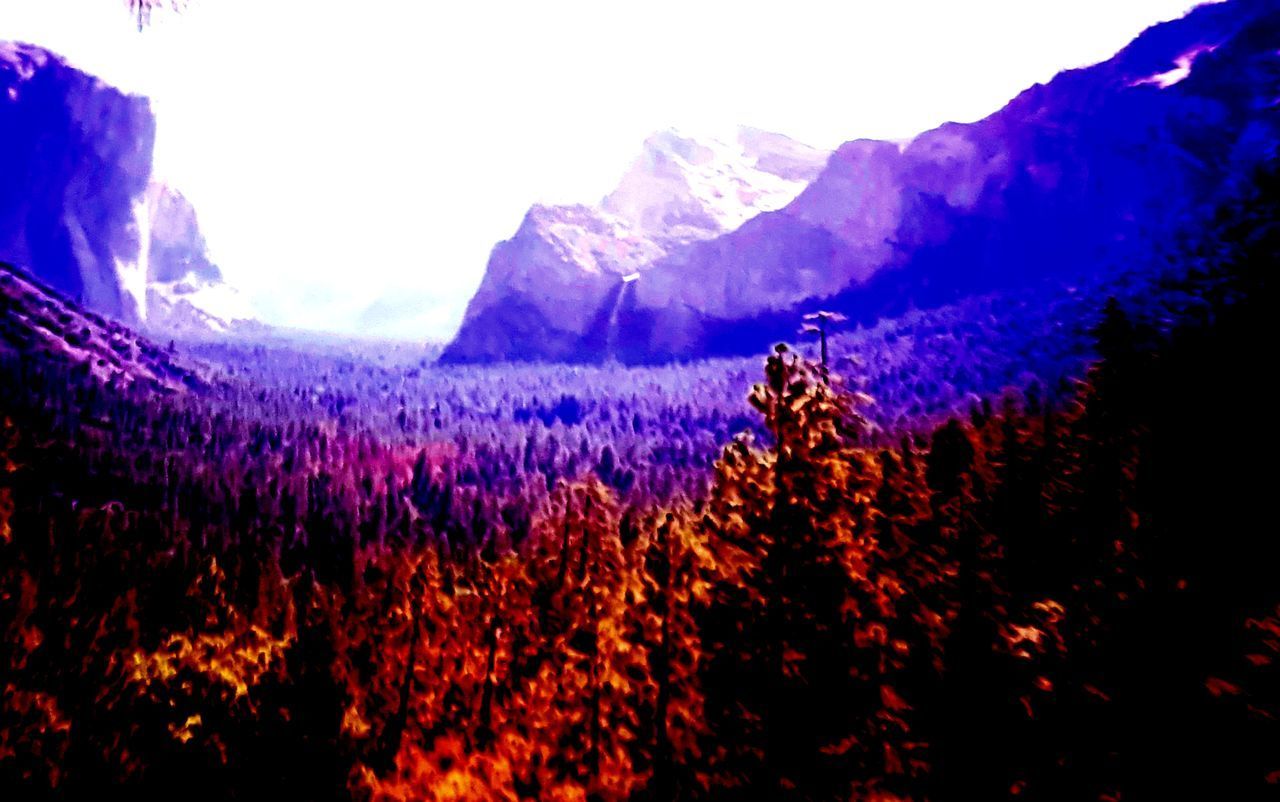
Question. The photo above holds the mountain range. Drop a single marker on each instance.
(713, 248)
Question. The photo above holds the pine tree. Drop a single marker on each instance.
(822, 652)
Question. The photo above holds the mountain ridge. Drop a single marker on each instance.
(1090, 169)
(678, 192)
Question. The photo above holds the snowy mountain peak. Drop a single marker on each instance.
(683, 188)
(1181, 69)
(680, 191)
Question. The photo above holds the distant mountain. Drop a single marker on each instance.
(79, 206)
(1092, 172)
(543, 288)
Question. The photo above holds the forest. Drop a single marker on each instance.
(1010, 548)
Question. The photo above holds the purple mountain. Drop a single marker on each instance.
(80, 209)
(680, 192)
(1094, 171)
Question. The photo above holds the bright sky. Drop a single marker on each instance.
(353, 163)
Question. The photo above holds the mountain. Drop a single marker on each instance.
(80, 208)
(186, 293)
(542, 293)
(39, 324)
(1092, 172)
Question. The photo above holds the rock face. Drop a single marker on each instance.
(177, 248)
(80, 209)
(75, 161)
(1094, 171)
(551, 290)
(186, 294)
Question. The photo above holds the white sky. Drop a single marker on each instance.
(342, 154)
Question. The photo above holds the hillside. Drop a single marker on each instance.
(40, 325)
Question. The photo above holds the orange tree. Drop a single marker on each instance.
(810, 655)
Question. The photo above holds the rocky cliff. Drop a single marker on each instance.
(80, 209)
(1094, 171)
(550, 291)
(75, 162)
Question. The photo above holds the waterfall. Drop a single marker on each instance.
(132, 277)
(611, 328)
